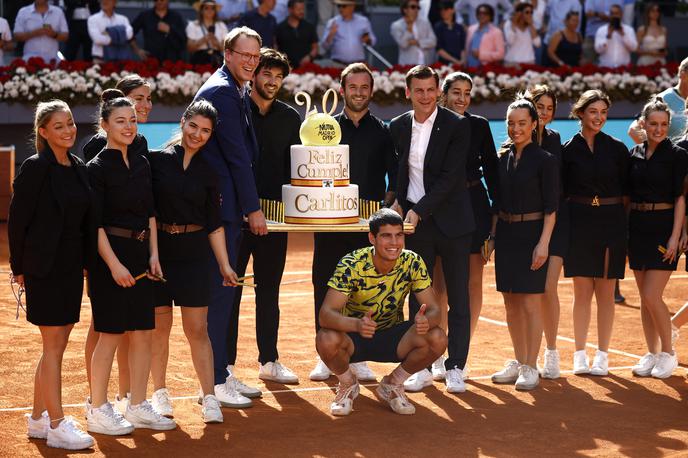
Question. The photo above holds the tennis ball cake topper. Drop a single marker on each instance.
(319, 129)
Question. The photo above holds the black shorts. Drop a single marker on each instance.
(382, 347)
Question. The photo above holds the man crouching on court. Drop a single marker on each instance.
(362, 316)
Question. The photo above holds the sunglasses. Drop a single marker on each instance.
(343, 6)
(528, 12)
(412, 7)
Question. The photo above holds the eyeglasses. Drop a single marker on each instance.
(247, 57)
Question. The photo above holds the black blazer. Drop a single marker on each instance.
(446, 197)
(36, 214)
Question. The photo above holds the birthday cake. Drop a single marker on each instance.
(319, 191)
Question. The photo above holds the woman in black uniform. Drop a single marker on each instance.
(680, 318)
(529, 195)
(595, 175)
(658, 206)
(48, 229)
(188, 213)
(127, 248)
(545, 101)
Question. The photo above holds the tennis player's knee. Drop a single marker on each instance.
(196, 330)
(328, 342)
(437, 340)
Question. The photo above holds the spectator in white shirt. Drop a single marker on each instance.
(521, 36)
(41, 27)
(346, 34)
(205, 36)
(100, 29)
(472, 5)
(5, 39)
(414, 36)
(614, 42)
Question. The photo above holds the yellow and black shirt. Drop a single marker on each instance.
(356, 276)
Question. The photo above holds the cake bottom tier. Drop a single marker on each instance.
(307, 205)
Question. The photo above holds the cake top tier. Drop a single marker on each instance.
(319, 129)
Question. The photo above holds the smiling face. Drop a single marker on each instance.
(388, 243)
(459, 96)
(243, 58)
(60, 131)
(520, 126)
(120, 127)
(268, 81)
(545, 109)
(594, 116)
(656, 126)
(195, 132)
(423, 96)
(357, 91)
(141, 96)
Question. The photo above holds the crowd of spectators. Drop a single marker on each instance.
(463, 32)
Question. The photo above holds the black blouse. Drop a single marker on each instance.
(602, 173)
(123, 196)
(482, 157)
(659, 178)
(184, 196)
(97, 143)
(532, 185)
(551, 142)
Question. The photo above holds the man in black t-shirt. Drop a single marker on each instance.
(295, 37)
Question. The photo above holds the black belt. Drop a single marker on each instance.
(179, 228)
(521, 217)
(128, 233)
(649, 206)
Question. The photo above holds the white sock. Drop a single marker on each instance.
(347, 378)
(398, 376)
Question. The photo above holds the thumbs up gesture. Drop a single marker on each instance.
(422, 324)
(366, 325)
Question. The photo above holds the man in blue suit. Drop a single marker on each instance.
(232, 151)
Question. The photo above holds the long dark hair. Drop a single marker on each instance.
(534, 94)
(200, 107)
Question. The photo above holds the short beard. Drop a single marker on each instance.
(264, 95)
(353, 109)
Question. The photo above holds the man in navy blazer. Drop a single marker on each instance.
(432, 144)
(232, 151)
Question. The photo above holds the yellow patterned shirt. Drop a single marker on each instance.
(356, 276)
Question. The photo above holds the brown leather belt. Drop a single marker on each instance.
(470, 184)
(179, 228)
(596, 201)
(648, 206)
(127, 233)
(520, 217)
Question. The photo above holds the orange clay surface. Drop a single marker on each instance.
(619, 415)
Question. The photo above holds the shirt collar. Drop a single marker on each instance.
(430, 120)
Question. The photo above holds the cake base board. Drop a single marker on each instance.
(361, 226)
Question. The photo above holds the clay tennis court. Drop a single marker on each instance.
(619, 415)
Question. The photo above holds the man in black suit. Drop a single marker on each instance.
(432, 144)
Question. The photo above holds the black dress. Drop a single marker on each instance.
(559, 243)
(184, 197)
(530, 187)
(97, 143)
(123, 199)
(655, 180)
(482, 162)
(596, 229)
(683, 143)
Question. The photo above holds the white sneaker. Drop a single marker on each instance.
(581, 363)
(240, 386)
(418, 381)
(105, 420)
(362, 372)
(161, 402)
(645, 365)
(509, 374)
(229, 397)
(528, 378)
(122, 404)
(438, 370)
(320, 372)
(211, 411)
(69, 435)
(455, 381)
(343, 402)
(395, 397)
(38, 429)
(144, 416)
(551, 367)
(666, 364)
(276, 372)
(600, 364)
(674, 335)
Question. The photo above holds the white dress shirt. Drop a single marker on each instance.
(615, 51)
(346, 45)
(519, 44)
(28, 19)
(97, 30)
(5, 35)
(424, 52)
(420, 137)
(195, 31)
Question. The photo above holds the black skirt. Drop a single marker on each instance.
(55, 300)
(593, 231)
(483, 217)
(116, 309)
(559, 243)
(514, 255)
(648, 230)
(184, 262)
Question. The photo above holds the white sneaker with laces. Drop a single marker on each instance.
(455, 381)
(395, 397)
(161, 402)
(276, 372)
(229, 397)
(581, 363)
(600, 364)
(418, 381)
(211, 411)
(645, 365)
(144, 416)
(105, 420)
(38, 429)
(509, 374)
(528, 378)
(240, 386)
(121, 404)
(343, 402)
(69, 436)
(438, 370)
(362, 372)
(666, 363)
(551, 367)
(320, 372)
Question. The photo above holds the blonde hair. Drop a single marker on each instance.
(44, 112)
(237, 32)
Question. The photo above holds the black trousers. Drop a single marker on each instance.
(78, 38)
(269, 255)
(430, 243)
(328, 249)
